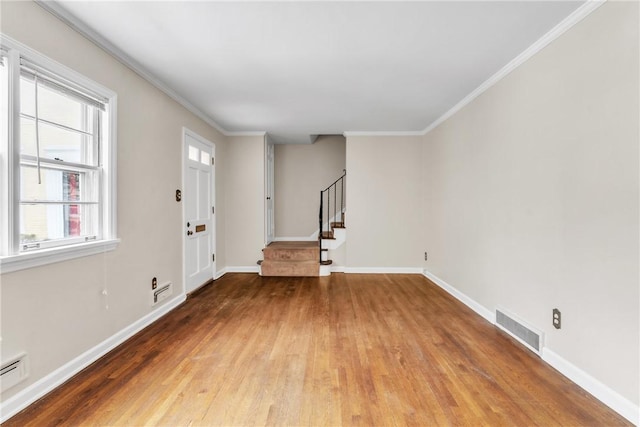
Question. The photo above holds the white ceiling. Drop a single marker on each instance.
(295, 69)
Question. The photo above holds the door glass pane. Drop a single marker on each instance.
(194, 153)
(204, 158)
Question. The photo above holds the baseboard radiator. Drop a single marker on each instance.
(527, 335)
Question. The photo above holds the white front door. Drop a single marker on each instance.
(269, 190)
(199, 210)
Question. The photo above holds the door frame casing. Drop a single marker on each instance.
(269, 191)
(188, 132)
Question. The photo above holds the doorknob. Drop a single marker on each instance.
(188, 224)
(189, 233)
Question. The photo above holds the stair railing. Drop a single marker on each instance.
(335, 191)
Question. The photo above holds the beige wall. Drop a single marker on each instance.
(56, 312)
(384, 203)
(245, 197)
(301, 172)
(531, 196)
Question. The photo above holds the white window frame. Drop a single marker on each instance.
(11, 259)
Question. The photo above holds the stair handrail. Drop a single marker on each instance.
(327, 192)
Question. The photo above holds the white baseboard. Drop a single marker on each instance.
(243, 269)
(382, 270)
(295, 239)
(469, 302)
(600, 391)
(19, 401)
(220, 273)
(334, 269)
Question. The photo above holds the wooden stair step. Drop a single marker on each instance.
(292, 251)
(271, 268)
(328, 235)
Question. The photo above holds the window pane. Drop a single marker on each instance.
(194, 153)
(56, 185)
(204, 158)
(27, 97)
(55, 143)
(41, 223)
(4, 109)
(55, 106)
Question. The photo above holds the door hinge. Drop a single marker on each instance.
(213, 209)
(213, 161)
(213, 257)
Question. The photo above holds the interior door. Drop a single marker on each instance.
(199, 210)
(269, 191)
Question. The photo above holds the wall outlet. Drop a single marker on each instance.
(557, 318)
(154, 283)
(425, 255)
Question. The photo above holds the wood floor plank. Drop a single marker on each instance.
(352, 350)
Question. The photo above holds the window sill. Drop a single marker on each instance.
(24, 261)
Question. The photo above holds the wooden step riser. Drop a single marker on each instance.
(290, 268)
(307, 254)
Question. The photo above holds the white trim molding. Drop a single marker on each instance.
(382, 270)
(245, 133)
(349, 133)
(19, 401)
(219, 274)
(295, 239)
(72, 21)
(338, 269)
(578, 15)
(26, 260)
(600, 391)
(242, 269)
(488, 315)
(597, 389)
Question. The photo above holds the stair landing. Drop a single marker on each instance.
(291, 259)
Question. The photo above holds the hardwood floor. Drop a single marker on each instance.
(347, 350)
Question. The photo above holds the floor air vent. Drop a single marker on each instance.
(511, 324)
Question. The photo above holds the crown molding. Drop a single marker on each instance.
(72, 21)
(578, 15)
(248, 133)
(382, 133)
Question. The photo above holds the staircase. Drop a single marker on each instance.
(310, 258)
(331, 238)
